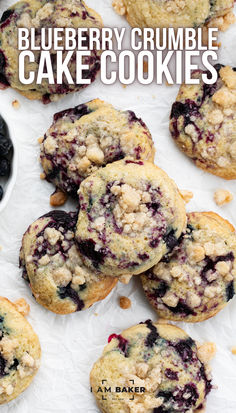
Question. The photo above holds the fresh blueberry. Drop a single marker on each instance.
(3, 79)
(6, 14)
(5, 141)
(4, 167)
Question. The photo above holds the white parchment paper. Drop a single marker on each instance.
(72, 343)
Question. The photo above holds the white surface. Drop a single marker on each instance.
(70, 344)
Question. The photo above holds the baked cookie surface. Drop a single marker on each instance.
(131, 214)
(198, 278)
(53, 267)
(39, 14)
(174, 13)
(89, 136)
(19, 352)
(161, 359)
(203, 123)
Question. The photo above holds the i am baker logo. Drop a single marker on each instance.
(130, 390)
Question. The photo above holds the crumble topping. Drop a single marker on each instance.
(57, 254)
(176, 6)
(26, 364)
(206, 352)
(119, 7)
(222, 22)
(125, 279)
(226, 95)
(135, 210)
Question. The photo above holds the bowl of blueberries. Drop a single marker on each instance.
(8, 164)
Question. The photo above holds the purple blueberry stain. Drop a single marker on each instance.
(153, 336)
(181, 308)
(63, 222)
(171, 374)
(143, 257)
(6, 14)
(180, 399)
(123, 343)
(73, 114)
(88, 249)
(128, 161)
(210, 264)
(161, 290)
(3, 364)
(68, 292)
(184, 349)
(133, 118)
(170, 239)
(230, 291)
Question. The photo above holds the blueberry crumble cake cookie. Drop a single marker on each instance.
(19, 352)
(131, 214)
(176, 13)
(198, 278)
(203, 122)
(53, 267)
(156, 368)
(89, 136)
(39, 14)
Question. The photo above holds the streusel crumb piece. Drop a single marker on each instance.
(222, 197)
(22, 306)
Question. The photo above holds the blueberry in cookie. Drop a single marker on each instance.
(19, 352)
(53, 267)
(38, 14)
(198, 278)
(203, 122)
(176, 13)
(88, 137)
(131, 214)
(152, 368)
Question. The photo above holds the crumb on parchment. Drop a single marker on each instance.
(16, 104)
(222, 197)
(186, 195)
(58, 198)
(22, 306)
(125, 303)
